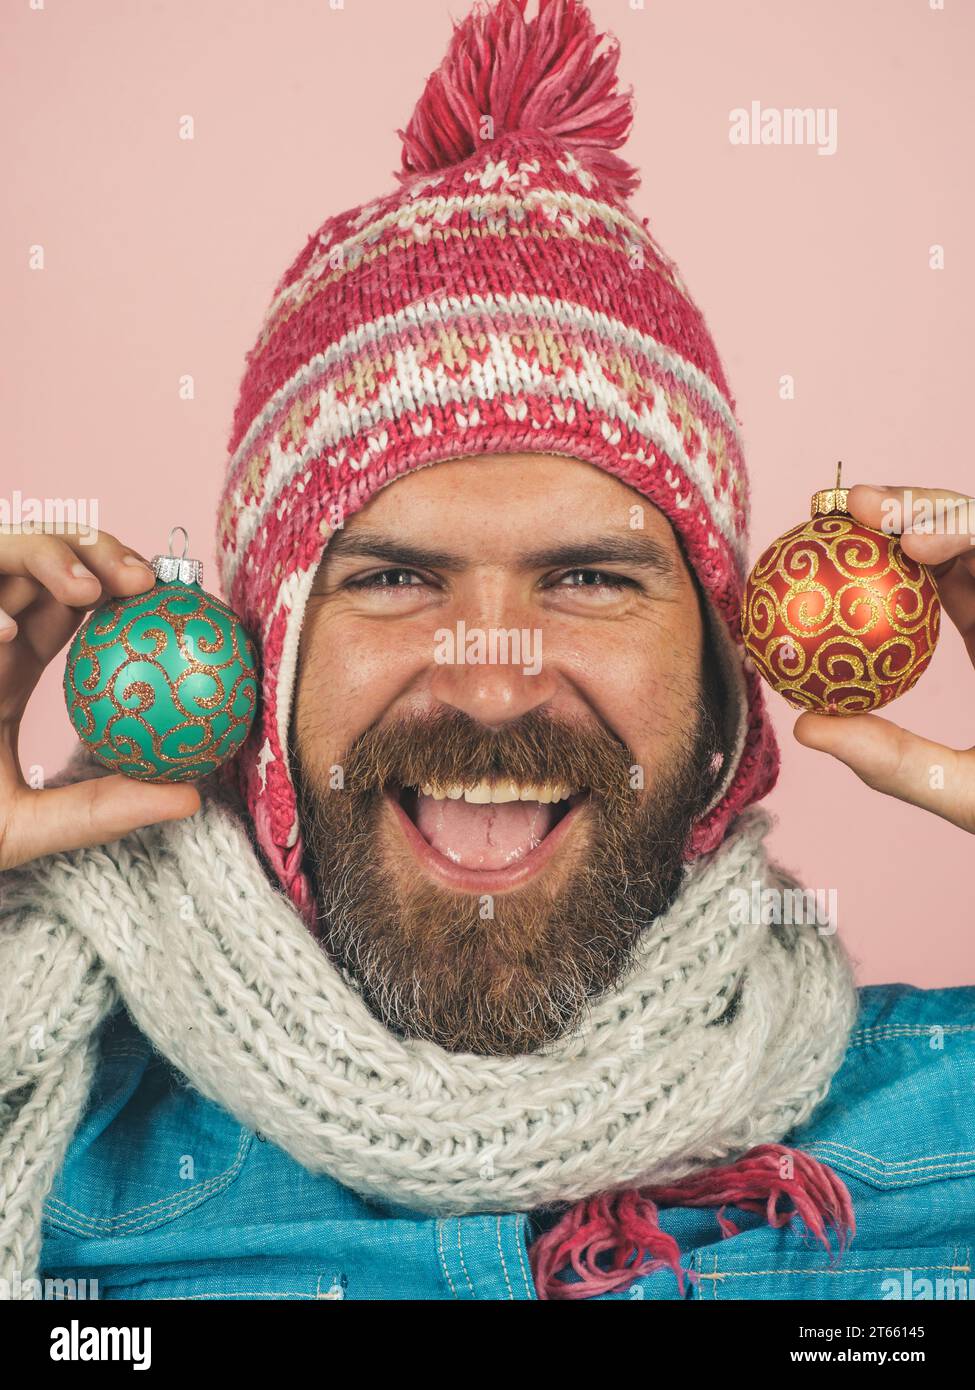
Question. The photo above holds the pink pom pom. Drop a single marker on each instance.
(537, 77)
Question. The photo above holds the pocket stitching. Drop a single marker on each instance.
(893, 1174)
(716, 1276)
(871, 1032)
(463, 1262)
(168, 1207)
(443, 1258)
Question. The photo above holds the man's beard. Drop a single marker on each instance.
(428, 962)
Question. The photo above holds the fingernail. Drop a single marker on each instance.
(134, 560)
(80, 571)
(7, 623)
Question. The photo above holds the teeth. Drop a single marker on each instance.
(499, 792)
(505, 791)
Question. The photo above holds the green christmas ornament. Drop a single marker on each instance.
(162, 686)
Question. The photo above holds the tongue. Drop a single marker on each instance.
(483, 837)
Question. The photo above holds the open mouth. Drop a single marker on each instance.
(488, 836)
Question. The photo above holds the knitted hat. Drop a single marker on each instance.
(503, 298)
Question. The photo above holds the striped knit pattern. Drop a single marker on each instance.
(509, 303)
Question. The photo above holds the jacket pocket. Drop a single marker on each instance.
(147, 1151)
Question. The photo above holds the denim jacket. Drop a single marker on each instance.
(164, 1195)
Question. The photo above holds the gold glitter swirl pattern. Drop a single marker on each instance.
(162, 686)
(837, 618)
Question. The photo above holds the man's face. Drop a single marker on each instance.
(488, 837)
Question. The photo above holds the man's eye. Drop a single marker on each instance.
(387, 579)
(596, 579)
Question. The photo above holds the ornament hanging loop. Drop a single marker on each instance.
(830, 500)
(178, 568)
(186, 540)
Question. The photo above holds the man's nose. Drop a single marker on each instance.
(493, 692)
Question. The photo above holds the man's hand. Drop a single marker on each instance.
(881, 753)
(43, 598)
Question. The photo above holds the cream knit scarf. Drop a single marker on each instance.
(180, 922)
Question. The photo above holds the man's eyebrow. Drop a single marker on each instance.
(631, 549)
(373, 545)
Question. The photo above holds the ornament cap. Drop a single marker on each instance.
(831, 499)
(178, 568)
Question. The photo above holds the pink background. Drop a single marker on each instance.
(161, 255)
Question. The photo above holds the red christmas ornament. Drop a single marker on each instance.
(836, 617)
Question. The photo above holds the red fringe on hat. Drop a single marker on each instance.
(542, 76)
(621, 1231)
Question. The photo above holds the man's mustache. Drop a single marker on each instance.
(451, 748)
